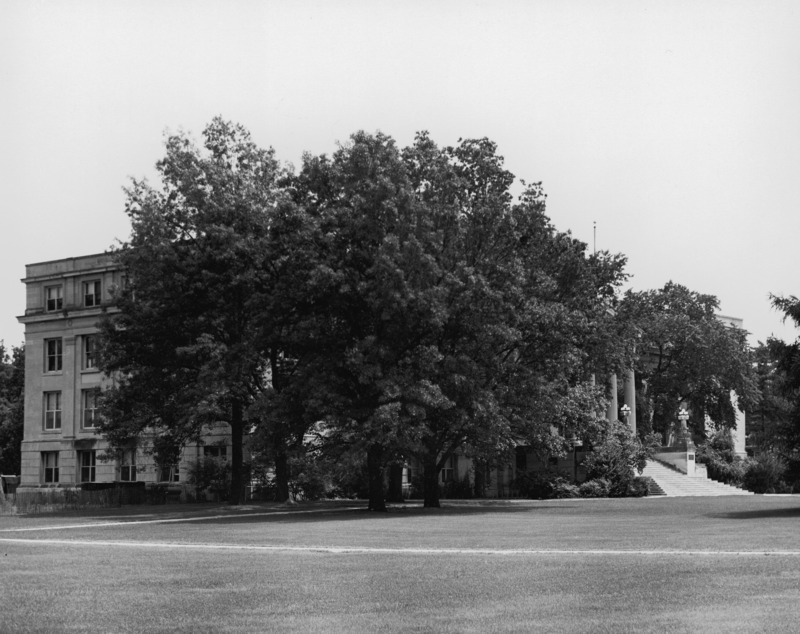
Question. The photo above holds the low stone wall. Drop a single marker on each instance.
(683, 459)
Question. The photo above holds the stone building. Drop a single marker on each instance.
(61, 446)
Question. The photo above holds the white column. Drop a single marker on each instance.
(630, 398)
(613, 406)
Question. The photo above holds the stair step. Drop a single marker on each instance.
(674, 483)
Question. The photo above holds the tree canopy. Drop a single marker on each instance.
(778, 410)
(186, 347)
(12, 407)
(687, 356)
(398, 302)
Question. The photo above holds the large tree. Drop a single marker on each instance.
(12, 407)
(784, 382)
(686, 354)
(187, 345)
(522, 307)
(459, 318)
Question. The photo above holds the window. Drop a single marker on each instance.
(521, 459)
(216, 451)
(89, 352)
(169, 474)
(87, 461)
(127, 466)
(53, 298)
(53, 355)
(90, 415)
(91, 293)
(449, 470)
(52, 410)
(50, 467)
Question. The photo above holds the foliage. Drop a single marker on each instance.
(685, 354)
(212, 474)
(563, 489)
(451, 312)
(769, 421)
(596, 488)
(615, 458)
(12, 408)
(457, 489)
(186, 346)
(785, 359)
(404, 297)
(722, 463)
(638, 487)
(766, 474)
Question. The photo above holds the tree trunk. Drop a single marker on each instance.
(430, 482)
(281, 474)
(395, 492)
(375, 476)
(237, 458)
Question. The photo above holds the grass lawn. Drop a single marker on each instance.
(675, 564)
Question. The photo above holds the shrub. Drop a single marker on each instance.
(722, 464)
(457, 489)
(727, 472)
(563, 489)
(638, 488)
(765, 474)
(598, 488)
(207, 474)
(615, 459)
(539, 485)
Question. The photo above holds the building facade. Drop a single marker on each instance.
(65, 300)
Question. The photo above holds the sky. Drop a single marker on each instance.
(672, 125)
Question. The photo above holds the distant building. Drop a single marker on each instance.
(61, 446)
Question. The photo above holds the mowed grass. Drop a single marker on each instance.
(679, 564)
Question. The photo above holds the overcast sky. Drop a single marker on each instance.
(675, 126)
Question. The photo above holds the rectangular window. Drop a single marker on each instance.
(53, 351)
(215, 451)
(52, 410)
(50, 467)
(127, 466)
(449, 470)
(89, 413)
(89, 352)
(87, 461)
(169, 474)
(53, 298)
(91, 293)
(521, 459)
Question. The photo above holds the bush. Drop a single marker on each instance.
(208, 474)
(539, 485)
(457, 489)
(562, 489)
(722, 464)
(638, 488)
(615, 459)
(765, 474)
(598, 488)
(727, 472)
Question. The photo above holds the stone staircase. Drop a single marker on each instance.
(674, 483)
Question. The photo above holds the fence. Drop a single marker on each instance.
(54, 500)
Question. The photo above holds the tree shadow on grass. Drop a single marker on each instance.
(309, 514)
(760, 514)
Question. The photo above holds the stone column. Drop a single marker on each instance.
(613, 407)
(630, 398)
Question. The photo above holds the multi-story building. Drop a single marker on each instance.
(61, 446)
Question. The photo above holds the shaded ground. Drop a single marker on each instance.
(613, 565)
